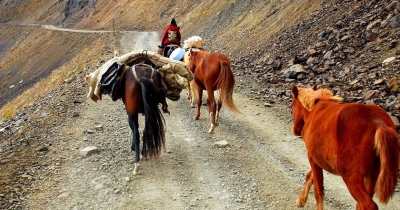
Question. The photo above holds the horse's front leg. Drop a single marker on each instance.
(189, 96)
(199, 101)
(134, 125)
(318, 181)
(165, 107)
(301, 201)
(212, 109)
(192, 93)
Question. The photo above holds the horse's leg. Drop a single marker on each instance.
(212, 108)
(165, 107)
(192, 91)
(189, 92)
(370, 179)
(318, 181)
(357, 188)
(219, 105)
(199, 101)
(134, 125)
(301, 201)
(370, 182)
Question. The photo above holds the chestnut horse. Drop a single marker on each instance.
(212, 71)
(355, 141)
(141, 91)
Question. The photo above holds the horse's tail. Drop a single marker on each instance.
(387, 148)
(225, 85)
(154, 129)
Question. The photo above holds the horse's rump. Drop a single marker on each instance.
(218, 67)
(142, 94)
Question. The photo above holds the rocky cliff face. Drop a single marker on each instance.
(351, 47)
(75, 7)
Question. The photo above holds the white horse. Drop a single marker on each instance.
(194, 43)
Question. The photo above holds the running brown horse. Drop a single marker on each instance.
(212, 72)
(355, 141)
(141, 91)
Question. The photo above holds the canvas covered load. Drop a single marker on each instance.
(175, 74)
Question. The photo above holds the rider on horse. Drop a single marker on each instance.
(171, 36)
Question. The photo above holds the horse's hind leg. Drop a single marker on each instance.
(370, 180)
(212, 107)
(199, 101)
(134, 125)
(301, 201)
(357, 189)
(219, 105)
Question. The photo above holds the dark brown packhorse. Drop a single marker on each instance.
(141, 90)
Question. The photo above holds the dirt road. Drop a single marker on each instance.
(263, 167)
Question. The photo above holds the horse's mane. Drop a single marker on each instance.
(202, 52)
(193, 42)
(309, 96)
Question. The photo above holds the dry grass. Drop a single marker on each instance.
(57, 77)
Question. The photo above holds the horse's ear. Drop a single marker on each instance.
(314, 87)
(295, 91)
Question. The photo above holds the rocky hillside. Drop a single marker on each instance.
(351, 47)
(338, 44)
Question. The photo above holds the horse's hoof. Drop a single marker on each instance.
(136, 171)
(300, 202)
(211, 129)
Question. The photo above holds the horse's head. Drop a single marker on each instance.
(196, 57)
(192, 60)
(186, 58)
(304, 100)
(299, 112)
